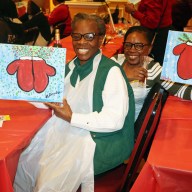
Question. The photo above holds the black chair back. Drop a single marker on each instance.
(139, 121)
(148, 120)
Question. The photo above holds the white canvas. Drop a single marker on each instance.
(177, 65)
(32, 73)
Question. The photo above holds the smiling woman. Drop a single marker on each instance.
(138, 66)
(95, 118)
(92, 36)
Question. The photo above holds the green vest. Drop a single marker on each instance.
(114, 147)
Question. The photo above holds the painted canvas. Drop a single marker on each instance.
(177, 65)
(32, 73)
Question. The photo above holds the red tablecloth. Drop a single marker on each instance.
(169, 165)
(15, 135)
(111, 48)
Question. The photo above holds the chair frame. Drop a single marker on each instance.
(146, 132)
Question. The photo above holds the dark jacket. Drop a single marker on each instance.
(38, 20)
(182, 12)
(11, 32)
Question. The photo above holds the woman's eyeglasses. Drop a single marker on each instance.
(86, 36)
(137, 46)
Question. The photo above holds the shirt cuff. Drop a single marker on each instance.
(80, 120)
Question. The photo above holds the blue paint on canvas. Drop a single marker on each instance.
(177, 65)
(32, 73)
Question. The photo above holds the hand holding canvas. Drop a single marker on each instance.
(62, 111)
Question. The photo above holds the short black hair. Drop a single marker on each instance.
(148, 33)
(90, 17)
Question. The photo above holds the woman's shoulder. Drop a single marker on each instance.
(153, 64)
(62, 6)
(60, 9)
(119, 58)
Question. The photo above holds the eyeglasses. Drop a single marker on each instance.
(137, 46)
(86, 36)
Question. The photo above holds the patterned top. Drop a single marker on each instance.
(154, 72)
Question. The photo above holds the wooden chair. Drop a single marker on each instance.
(121, 178)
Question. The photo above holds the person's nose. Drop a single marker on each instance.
(132, 49)
(82, 40)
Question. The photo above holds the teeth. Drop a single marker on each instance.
(133, 57)
(83, 51)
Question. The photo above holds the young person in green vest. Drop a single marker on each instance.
(93, 130)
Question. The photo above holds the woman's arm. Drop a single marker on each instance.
(176, 89)
(115, 106)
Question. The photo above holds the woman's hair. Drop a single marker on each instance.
(95, 18)
(140, 29)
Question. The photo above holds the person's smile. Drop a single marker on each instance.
(82, 51)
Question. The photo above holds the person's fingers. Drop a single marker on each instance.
(64, 101)
(51, 105)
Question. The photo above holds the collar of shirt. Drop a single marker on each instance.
(81, 71)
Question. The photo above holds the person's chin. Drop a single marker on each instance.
(83, 58)
(133, 62)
